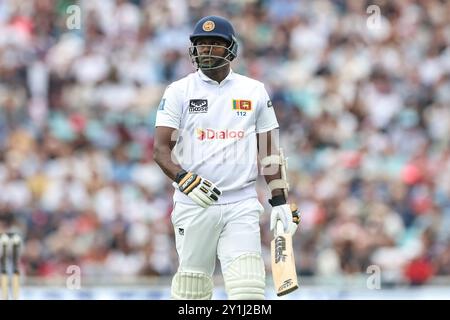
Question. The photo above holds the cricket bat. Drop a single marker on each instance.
(15, 286)
(284, 273)
(4, 240)
(16, 272)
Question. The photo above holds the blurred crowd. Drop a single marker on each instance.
(363, 103)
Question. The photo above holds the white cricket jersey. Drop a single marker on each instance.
(217, 126)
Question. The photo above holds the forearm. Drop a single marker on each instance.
(269, 178)
(273, 168)
(267, 148)
(201, 191)
(163, 157)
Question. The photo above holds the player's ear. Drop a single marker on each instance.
(194, 47)
(193, 52)
(233, 47)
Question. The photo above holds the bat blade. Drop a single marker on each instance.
(4, 281)
(283, 264)
(15, 286)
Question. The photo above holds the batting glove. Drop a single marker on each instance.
(200, 190)
(288, 215)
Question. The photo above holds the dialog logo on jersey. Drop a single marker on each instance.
(213, 134)
(242, 105)
(198, 106)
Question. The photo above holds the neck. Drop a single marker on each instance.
(218, 74)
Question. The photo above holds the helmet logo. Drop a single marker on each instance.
(208, 26)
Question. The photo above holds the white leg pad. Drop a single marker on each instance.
(245, 278)
(191, 286)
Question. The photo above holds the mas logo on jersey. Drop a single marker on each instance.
(212, 134)
(198, 106)
(242, 105)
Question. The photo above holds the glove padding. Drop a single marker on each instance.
(201, 191)
(288, 218)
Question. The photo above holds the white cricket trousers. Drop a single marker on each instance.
(225, 231)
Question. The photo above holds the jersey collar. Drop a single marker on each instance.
(205, 78)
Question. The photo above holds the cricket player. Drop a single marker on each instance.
(211, 127)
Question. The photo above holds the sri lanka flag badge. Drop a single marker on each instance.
(242, 105)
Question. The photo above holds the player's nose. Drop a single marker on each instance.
(203, 49)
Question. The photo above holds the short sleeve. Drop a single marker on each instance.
(169, 109)
(266, 119)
